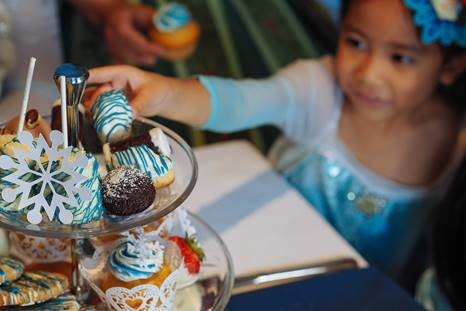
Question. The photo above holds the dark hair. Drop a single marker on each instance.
(455, 93)
(449, 241)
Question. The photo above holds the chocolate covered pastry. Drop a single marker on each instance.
(127, 190)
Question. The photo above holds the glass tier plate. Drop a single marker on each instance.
(211, 291)
(166, 200)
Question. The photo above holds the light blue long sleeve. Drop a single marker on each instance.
(300, 99)
(238, 105)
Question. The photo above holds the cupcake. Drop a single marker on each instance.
(137, 268)
(149, 152)
(175, 30)
(131, 264)
(112, 116)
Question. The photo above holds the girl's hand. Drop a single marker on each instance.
(146, 91)
(152, 94)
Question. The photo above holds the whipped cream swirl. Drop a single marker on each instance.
(130, 261)
(171, 16)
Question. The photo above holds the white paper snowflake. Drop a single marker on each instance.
(59, 176)
(186, 225)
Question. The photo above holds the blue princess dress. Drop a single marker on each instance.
(381, 219)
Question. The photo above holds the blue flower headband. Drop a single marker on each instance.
(440, 21)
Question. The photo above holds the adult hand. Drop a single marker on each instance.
(123, 26)
(123, 29)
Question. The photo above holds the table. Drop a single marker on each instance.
(355, 289)
(265, 223)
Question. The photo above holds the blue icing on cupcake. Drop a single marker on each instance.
(171, 16)
(143, 158)
(129, 262)
(112, 116)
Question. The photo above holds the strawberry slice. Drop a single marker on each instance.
(191, 251)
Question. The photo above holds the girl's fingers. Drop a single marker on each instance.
(143, 105)
(116, 76)
(93, 94)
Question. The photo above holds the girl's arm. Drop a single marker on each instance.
(214, 103)
(300, 99)
(151, 94)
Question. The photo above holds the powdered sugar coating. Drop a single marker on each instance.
(127, 190)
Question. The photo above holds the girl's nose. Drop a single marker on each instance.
(369, 71)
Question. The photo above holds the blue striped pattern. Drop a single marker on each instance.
(8, 142)
(143, 158)
(112, 116)
(86, 211)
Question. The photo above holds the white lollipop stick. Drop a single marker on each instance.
(64, 122)
(27, 89)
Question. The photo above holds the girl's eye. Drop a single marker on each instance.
(403, 59)
(355, 43)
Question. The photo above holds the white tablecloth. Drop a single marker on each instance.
(264, 222)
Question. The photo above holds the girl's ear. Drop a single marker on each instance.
(452, 69)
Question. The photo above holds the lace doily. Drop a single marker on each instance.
(144, 297)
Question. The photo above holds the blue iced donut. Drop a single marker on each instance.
(112, 116)
(149, 152)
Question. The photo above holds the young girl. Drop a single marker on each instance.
(372, 133)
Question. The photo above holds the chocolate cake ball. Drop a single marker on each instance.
(126, 191)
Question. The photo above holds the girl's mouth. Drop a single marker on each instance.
(368, 100)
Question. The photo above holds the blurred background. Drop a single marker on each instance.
(240, 38)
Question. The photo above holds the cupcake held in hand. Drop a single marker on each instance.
(176, 31)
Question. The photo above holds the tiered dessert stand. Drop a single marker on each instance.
(216, 275)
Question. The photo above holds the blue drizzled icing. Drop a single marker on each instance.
(65, 302)
(30, 286)
(7, 143)
(143, 158)
(88, 211)
(10, 264)
(91, 210)
(130, 262)
(112, 116)
(171, 16)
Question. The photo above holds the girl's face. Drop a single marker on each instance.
(382, 66)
